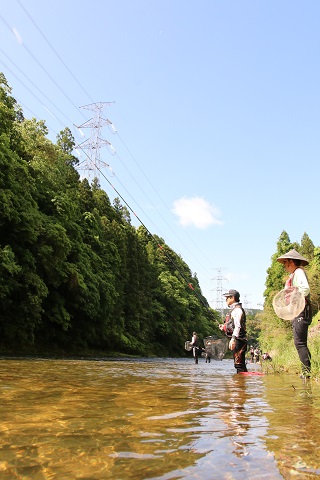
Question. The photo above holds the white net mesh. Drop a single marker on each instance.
(288, 303)
(216, 348)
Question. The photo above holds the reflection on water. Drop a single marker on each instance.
(294, 425)
(154, 419)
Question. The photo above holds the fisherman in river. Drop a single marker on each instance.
(235, 329)
(256, 355)
(195, 343)
(252, 353)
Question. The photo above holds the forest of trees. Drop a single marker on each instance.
(75, 275)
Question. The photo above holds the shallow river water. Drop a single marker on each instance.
(154, 419)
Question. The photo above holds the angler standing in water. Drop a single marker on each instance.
(195, 343)
(293, 262)
(235, 328)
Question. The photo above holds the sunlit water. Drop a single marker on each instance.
(154, 419)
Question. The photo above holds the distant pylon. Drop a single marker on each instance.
(246, 303)
(219, 303)
(92, 163)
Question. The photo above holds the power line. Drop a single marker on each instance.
(15, 33)
(153, 205)
(35, 116)
(34, 85)
(246, 303)
(159, 196)
(54, 50)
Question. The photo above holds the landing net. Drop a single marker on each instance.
(215, 347)
(288, 303)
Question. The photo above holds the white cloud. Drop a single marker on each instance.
(197, 212)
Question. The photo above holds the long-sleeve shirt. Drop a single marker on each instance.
(299, 279)
(236, 314)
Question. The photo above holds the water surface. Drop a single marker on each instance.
(154, 419)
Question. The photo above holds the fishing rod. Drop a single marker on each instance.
(155, 241)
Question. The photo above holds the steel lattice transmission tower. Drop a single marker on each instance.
(246, 303)
(219, 303)
(93, 164)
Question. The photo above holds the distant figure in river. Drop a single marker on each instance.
(195, 343)
(293, 262)
(256, 355)
(207, 357)
(252, 353)
(266, 356)
(235, 328)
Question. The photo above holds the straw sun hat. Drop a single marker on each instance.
(293, 255)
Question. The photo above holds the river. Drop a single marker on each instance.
(159, 419)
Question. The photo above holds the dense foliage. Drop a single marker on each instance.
(75, 275)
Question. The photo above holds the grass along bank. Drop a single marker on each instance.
(283, 352)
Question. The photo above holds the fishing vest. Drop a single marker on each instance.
(229, 323)
(196, 342)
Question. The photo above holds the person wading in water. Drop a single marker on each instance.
(235, 328)
(195, 343)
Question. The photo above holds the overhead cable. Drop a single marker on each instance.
(34, 85)
(40, 65)
(54, 50)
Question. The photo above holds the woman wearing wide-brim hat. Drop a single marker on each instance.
(294, 262)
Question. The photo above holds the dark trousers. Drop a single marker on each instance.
(239, 355)
(300, 327)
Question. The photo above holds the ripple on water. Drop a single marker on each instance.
(154, 419)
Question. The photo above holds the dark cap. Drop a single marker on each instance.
(232, 293)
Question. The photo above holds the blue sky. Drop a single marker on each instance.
(216, 108)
